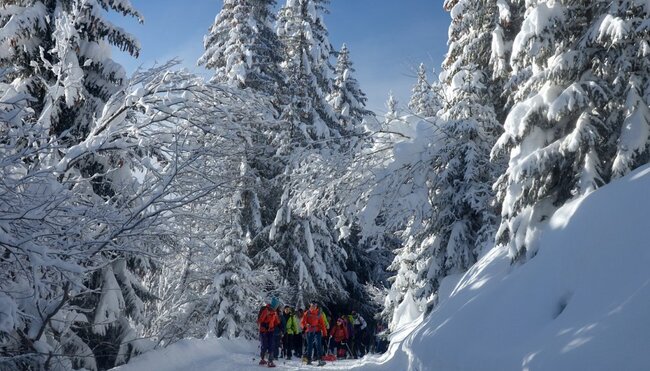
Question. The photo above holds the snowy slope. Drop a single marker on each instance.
(583, 303)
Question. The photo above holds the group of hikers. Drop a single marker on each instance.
(309, 334)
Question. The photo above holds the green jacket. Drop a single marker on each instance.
(327, 323)
(292, 325)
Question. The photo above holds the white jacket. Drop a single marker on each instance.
(359, 321)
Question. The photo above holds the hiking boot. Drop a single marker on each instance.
(262, 362)
(271, 364)
(321, 363)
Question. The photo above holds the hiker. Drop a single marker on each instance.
(339, 338)
(349, 321)
(359, 325)
(327, 326)
(314, 326)
(291, 330)
(300, 337)
(267, 321)
(278, 332)
(380, 342)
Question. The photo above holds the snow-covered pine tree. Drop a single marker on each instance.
(242, 47)
(58, 52)
(392, 106)
(394, 205)
(303, 241)
(245, 52)
(308, 69)
(459, 219)
(233, 294)
(367, 259)
(621, 33)
(347, 98)
(237, 290)
(424, 101)
(578, 118)
(464, 218)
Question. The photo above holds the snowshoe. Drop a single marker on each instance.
(271, 364)
(262, 362)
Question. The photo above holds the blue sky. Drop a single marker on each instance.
(387, 38)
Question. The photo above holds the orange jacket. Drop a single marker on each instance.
(268, 319)
(312, 321)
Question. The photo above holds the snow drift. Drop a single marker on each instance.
(582, 303)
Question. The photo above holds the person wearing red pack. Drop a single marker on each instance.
(314, 326)
(267, 321)
(339, 336)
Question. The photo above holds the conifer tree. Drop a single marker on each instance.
(460, 219)
(307, 66)
(302, 240)
(245, 52)
(58, 52)
(463, 221)
(231, 307)
(346, 97)
(464, 218)
(424, 101)
(581, 77)
(242, 48)
(393, 107)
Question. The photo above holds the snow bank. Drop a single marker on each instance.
(583, 303)
(195, 354)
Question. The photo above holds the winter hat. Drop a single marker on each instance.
(275, 303)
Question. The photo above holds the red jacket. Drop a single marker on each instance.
(268, 319)
(339, 333)
(312, 321)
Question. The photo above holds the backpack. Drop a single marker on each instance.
(264, 320)
(318, 316)
(350, 325)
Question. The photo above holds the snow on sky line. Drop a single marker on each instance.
(582, 303)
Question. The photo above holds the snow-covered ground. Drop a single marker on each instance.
(220, 354)
(583, 303)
